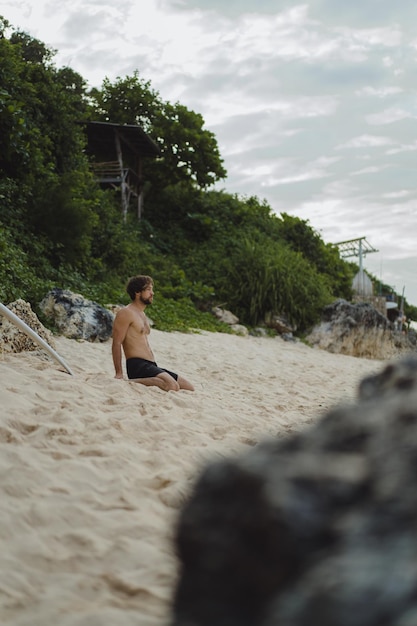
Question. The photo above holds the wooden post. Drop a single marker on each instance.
(123, 186)
(140, 188)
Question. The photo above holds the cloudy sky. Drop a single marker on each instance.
(313, 104)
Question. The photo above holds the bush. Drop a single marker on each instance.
(181, 315)
(17, 278)
(271, 278)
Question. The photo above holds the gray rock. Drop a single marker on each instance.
(76, 317)
(259, 331)
(239, 329)
(358, 330)
(227, 317)
(12, 339)
(279, 323)
(318, 528)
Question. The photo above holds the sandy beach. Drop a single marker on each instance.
(94, 469)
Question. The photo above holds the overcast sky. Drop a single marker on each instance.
(313, 104)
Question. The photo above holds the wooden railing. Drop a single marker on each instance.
(108, 172)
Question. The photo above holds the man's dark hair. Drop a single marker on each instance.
(137, 284)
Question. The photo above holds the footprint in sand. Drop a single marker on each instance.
(179, 402)
(92, 452)
(111, 401)
(26, 429)
(218, 433)
(248, 441)
(12, 389)
(7, 436)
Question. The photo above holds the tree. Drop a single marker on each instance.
(39, 110)
(42, 149)
(326, 259)
(189, 152)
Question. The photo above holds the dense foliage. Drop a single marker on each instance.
(203, 247)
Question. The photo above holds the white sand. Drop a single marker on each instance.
(93, 469)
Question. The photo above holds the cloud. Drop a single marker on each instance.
(366, 141)
(381, 92)
(372, 169)
(389, 116)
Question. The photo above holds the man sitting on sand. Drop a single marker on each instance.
(130, 330)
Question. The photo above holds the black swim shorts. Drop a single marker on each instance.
(141, 368)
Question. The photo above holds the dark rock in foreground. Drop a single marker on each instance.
(317, 529)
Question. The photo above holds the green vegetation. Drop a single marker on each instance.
(202, 247)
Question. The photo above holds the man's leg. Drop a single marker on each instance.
(184, 384)
(163, 380)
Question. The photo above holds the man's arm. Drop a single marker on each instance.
(120, 325)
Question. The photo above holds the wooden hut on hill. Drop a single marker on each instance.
(117, 152)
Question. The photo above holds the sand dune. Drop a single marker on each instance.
(94, 470)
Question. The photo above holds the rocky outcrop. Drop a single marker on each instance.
(280, 324)
(318, 528)
(357, 330)
(227, 317)
(76, 317)
(277, 323)
(12, 339)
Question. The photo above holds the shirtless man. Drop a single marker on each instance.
(130, 331)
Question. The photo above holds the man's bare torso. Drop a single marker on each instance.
(136, 343)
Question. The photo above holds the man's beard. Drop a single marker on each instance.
(146, 301)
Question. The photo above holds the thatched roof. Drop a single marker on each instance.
(101, 139)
